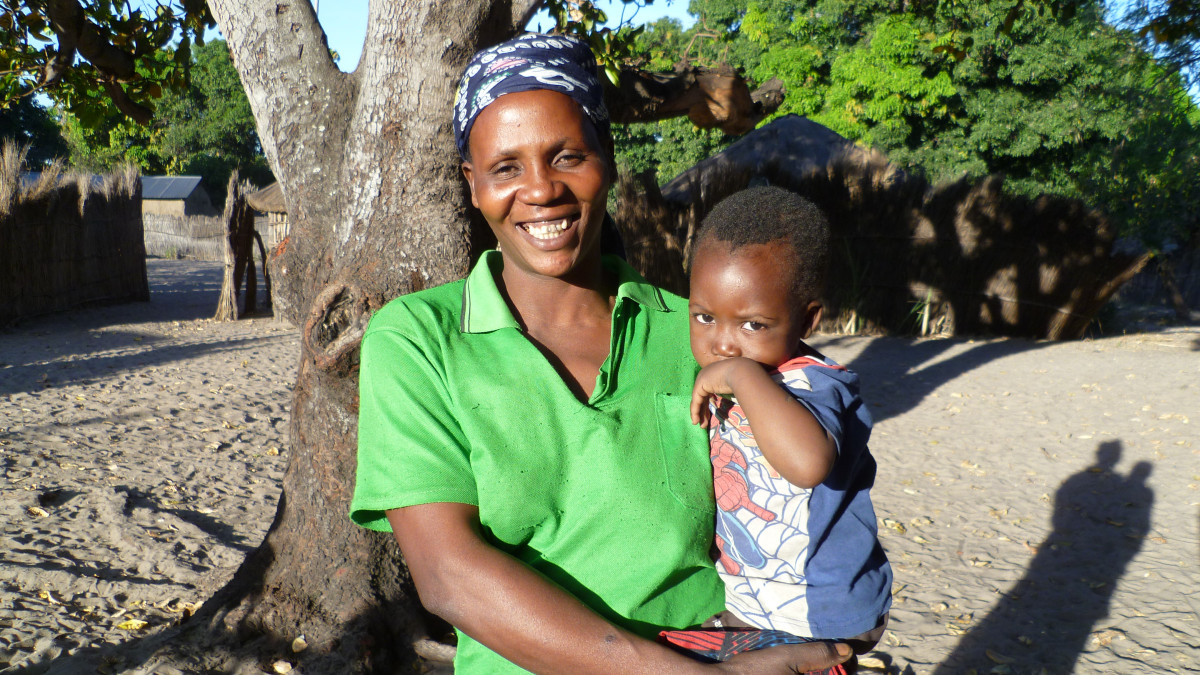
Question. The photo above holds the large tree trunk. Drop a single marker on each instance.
(377, 209)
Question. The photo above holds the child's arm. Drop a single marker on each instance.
(788, 435)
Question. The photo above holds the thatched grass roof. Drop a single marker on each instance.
(268, 199)
(790, 145)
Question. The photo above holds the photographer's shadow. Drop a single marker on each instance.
(1100, 521)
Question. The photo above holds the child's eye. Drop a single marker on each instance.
(753, 326)
(705, 319)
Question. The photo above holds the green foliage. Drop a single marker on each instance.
(87, 54)
(1045, 93)
(205, 129)
(885, 92)
(669, 147)
(27, 123)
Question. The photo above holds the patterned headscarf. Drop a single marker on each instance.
(528, 63)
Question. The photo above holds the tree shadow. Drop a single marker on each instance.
(220, 639)
(65, 370)
(898, 373)
(1100, 521)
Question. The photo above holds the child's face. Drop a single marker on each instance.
(741, 304)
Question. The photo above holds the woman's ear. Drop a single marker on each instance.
(469, 174)
(812, 317)
(610, 158)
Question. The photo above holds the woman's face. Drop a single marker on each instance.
(540, 177)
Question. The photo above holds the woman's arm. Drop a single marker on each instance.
(506, 606)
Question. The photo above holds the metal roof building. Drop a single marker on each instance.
(175, 196)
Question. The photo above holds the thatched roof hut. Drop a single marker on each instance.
(966, 257)
(269, 200)
(791, 145)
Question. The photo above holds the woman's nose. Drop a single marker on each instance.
(540, 186)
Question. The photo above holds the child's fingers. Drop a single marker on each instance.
(699, 405)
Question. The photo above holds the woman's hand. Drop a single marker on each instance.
(789, 659)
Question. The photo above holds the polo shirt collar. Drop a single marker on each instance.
(484, 309)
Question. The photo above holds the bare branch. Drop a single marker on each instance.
(283, 59)
(709, 97)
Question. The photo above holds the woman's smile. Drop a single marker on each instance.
(549, 230)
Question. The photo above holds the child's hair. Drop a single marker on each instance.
(762, 215)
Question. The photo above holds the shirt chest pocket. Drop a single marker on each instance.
(684, 450)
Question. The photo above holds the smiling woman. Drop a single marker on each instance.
(524, 432)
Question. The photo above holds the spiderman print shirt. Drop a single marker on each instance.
(803, 561)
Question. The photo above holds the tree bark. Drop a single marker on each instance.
(227, 304)
(710, 97)
(377, 210)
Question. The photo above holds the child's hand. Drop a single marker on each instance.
(717, 379)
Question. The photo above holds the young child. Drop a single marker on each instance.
(788, 434)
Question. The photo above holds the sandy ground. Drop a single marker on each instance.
(142, 448)
(1040, 502)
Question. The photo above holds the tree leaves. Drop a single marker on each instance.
(94, 56)
(1043, 92)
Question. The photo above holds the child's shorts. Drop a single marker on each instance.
(724, 635)
(722, 644)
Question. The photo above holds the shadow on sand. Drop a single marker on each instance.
(180, 290)
(898, 373)
(1043, 622)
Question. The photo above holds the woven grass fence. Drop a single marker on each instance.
(68, 239)
(908, 258)
(197, 237)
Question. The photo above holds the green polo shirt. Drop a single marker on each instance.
(610, 499)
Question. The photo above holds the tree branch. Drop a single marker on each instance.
(65, 18)
(283, 59)
(522, 13)
(709, 97)
(134, 110)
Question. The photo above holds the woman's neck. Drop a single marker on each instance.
(546, 302)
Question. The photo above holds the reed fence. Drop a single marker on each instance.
(68, 239)
(198, 237)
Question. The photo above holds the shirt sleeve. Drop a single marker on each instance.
(830, 394)
(411, 449)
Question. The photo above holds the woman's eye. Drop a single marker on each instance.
(504, 170)
(705, 319)
(570, 159)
